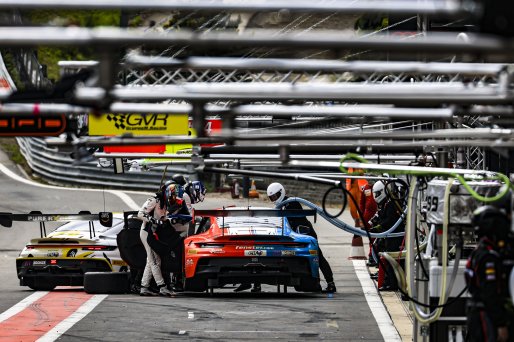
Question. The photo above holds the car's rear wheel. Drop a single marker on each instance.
(40, 285)
(308, 285)
(195, 284)
(106, 282)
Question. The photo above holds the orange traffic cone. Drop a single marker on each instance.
(357, 251)
(253, 193)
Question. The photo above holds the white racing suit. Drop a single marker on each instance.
(153, 261)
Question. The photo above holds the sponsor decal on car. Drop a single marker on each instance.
(119, 263)
(52, 254)
(71, 253)
(189, 262)
(192, 251)
(255, 252)
(256, 247)
(217, 251)
(42, 218)
(39, 263)
(288, 253)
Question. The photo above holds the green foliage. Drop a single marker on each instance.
(51, 56)
(136, 21)
(182, 21)
(11, 68)
(77, 18)
(11, 148)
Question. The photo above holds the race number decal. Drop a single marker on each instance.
(255, 252)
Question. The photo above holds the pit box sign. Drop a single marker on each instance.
(12, 125)
(461, 205)
(139, 124)
(212, 125)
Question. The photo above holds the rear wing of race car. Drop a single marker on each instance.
(105, 219)
(255, 212)
(130, 220)
(249, 212)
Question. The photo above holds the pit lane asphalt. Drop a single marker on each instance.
(194, 317)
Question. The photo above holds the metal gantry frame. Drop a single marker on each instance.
(321, 89)
(449, 8)
(408, 113)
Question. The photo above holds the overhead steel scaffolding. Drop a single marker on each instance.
(402, 7)
(312, 90)
(111, 39)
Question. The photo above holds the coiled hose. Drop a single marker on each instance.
(342, 225)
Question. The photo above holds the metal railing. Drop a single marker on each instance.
(58, 167)
(28, 65)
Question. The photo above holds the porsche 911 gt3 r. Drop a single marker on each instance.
(67, 253)
(241, 245)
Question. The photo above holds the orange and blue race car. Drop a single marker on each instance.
(250, 245)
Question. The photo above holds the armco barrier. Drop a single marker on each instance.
(58, 167)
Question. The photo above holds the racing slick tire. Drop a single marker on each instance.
(40, 285)
(195, 284)
(106, 282)
(308, 285)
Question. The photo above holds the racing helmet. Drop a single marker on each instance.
(165, 185)
(379, 192)
(179, 179)
(173, 194)
(198, 191)
(491, 222)
(276, 192)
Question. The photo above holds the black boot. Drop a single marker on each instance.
(256, 288)
(243, 287)
(331, 287)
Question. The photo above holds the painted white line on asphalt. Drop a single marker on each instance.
(274, 332)
(384, 322)
(123, 196)
(22, 305)
(66, 324)
(332, 324)
(126, 198)
(191, 315)
(181, 332)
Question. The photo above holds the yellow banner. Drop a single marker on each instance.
(138, 124)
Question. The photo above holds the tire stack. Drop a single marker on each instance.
(106, 282)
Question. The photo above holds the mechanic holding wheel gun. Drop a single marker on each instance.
(490, 310)
(153, 212)
(277, 194)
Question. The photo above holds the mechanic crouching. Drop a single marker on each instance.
(490, 310)
(154, 212)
